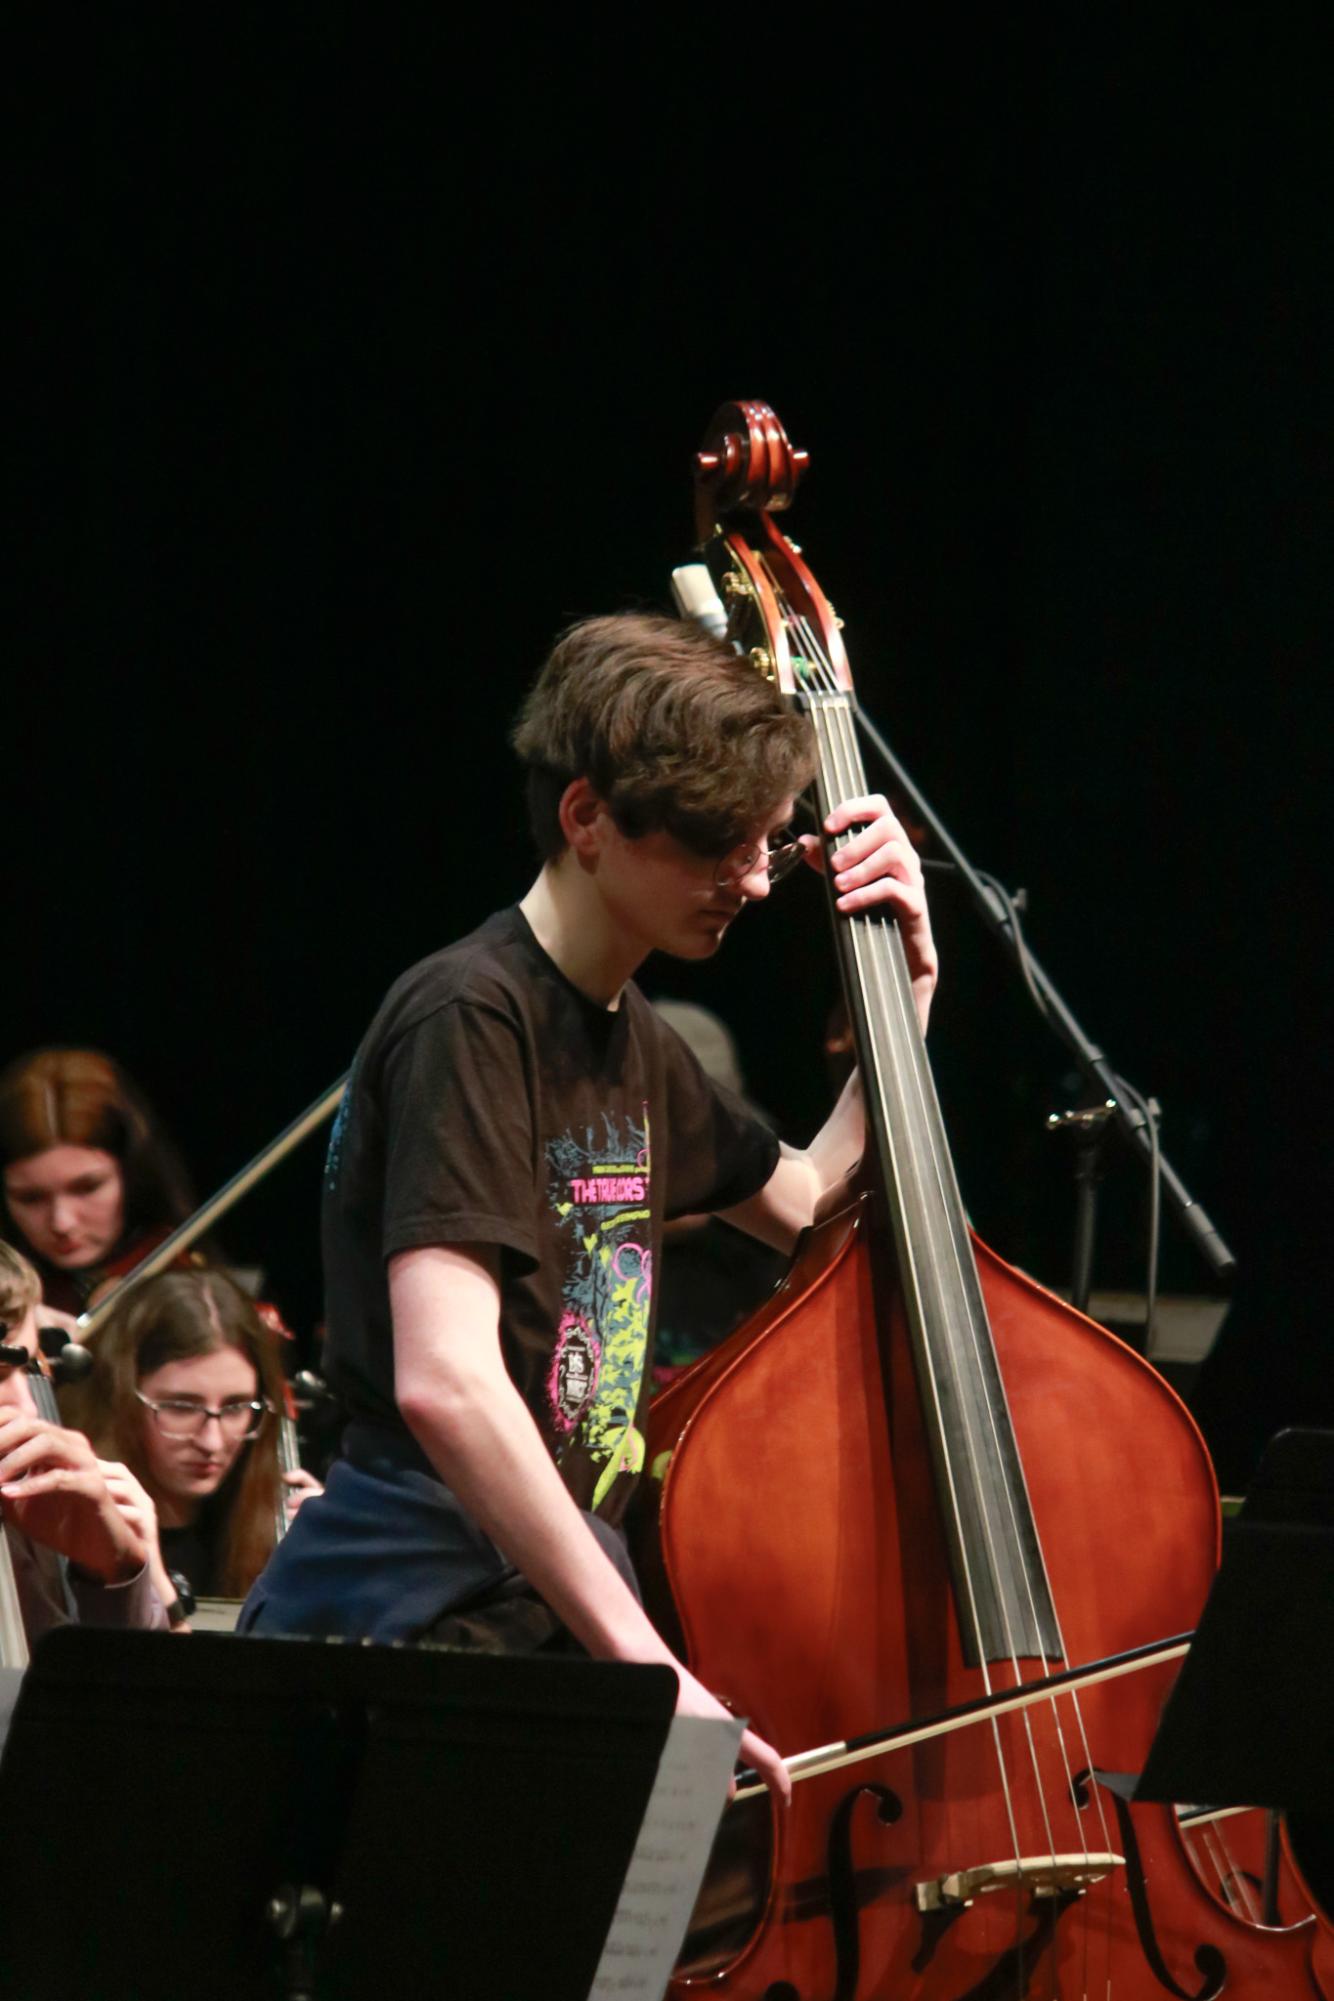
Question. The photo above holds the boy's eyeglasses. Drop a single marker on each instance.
(185, 1417)
(783, 856)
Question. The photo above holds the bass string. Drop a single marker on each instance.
(851, 763)
(977, 1332)
(872, 950)
(882, 1002)
(1233, 1883)
(879, 996)
(895, 993)
(848, 763)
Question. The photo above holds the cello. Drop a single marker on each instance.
(917, 1485)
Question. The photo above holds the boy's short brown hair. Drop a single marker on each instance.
(672, 728)
(20, 1287)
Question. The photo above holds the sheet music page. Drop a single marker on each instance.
(667, 1865)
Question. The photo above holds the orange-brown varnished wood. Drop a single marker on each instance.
(1318, 1895)
(798, 1546)
(800, 1536)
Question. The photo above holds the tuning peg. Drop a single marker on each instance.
(723, 463)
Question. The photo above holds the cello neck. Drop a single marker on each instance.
(779, 615)
(1001, 1590)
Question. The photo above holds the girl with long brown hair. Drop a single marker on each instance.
(187, 1390)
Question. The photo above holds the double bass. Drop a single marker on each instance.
(916, 1485)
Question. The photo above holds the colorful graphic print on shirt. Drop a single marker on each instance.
(599, 1192)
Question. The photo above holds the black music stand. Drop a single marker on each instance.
(1249, 1721)
(182, 1816)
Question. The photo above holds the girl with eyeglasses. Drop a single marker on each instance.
(186, 1389)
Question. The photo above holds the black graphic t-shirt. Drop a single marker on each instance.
(493, 1103)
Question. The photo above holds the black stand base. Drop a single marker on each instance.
(301, 1916)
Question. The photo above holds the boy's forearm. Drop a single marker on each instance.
(808, 1183)
(836, 1152)
(486, 1448)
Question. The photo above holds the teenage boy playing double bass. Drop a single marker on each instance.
(518, 1126)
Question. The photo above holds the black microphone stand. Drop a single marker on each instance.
(1131, 1121)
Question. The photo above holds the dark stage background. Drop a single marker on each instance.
(352, 371)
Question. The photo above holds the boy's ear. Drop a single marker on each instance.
(581, 819)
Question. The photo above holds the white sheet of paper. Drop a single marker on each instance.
(667, 1865)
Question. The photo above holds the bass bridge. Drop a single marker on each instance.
(1042, 1875)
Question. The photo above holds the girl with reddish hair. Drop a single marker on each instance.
(88, 1180)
